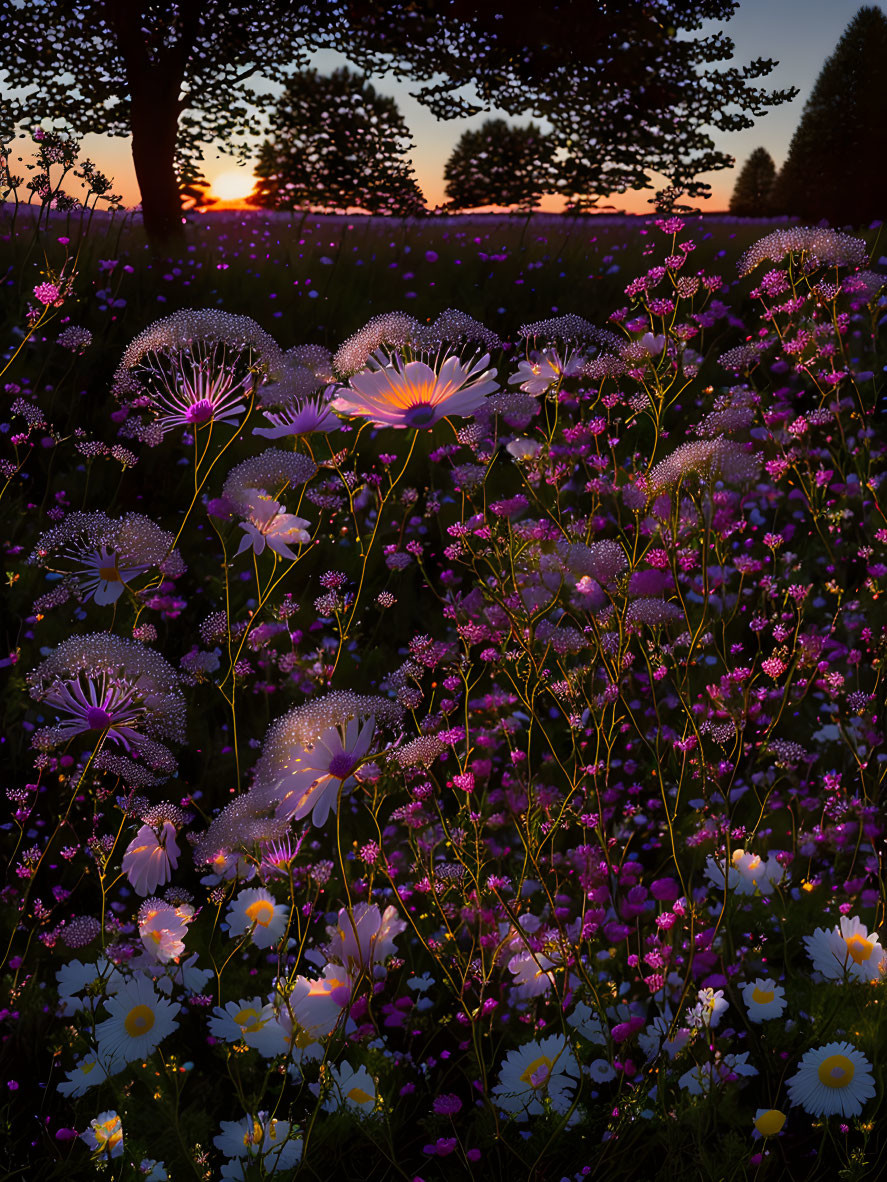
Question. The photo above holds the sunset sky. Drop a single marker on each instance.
(800, 34)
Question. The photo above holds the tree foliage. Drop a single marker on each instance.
(500, 165)
(751, 193)
(836, 167)
(625, 94)
(336, 144)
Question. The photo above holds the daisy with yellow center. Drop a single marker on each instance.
(240, 1019)
(254, 911)
(846, 951)
(763, 999)
(254, 1137)
(534, 1073)
(140, 1019)
(834, 1080)
(349, 1089)
(392, 392)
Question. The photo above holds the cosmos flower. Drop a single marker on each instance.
(545, 369)
(150, 858)
(269, 524)
(363, 938)
(763, 999)
(197, 366)
(392, 392)
(312, 779)
(747, 873)
(140, 1020)
(239, 1019)
(105, 1135)
(535, 1072)
(832, 1080)
(303, 416)
(162, 929)
(846, 950)
(101, 682)
(531, 975)
(255, 911)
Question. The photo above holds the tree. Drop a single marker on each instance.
(751, 194)
(836, 167)
(624, 93)
(500, 165)
(336, 144)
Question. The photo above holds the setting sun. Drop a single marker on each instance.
(233, 186)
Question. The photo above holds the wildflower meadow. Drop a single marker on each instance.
(443, 698)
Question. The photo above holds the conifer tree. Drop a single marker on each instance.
(751, 195)
(500, 165)
(836, 166)
(336, 145)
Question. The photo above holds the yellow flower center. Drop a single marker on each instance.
(248, 1020)
(359, 1096)
(836, 1071)
(260, 912)
(254, 1137)
(770, 1122)
(858, 948)
(138, 1021)
(302, 1038)
(110, 574)
(531, 1071)
(762, 996)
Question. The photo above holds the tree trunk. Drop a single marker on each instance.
(154, 129)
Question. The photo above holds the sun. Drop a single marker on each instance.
(233, 186)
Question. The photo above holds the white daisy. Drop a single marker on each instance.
(601, 1071)
(832, 1080)
(764, 999)
(255, 911)
(700, 1080)
(258, 1137)
(140, 1020)
(586, 1022)
(239, 1019)
(95, 979)
(83, 1076)
(847, 949)
(534, 1072)
(350, 1090)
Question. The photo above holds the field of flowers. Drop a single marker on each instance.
(443, 699)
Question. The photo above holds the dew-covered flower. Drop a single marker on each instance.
(140, 1020)
(100, 555)
(763, 999)
(105, 1135)
(829, 247)
(104, 683)
(268, 524)
(534, 1073)
(363, 937)
(832, 1080)
(254, 910)
(150, 857)
(846, 950)
(269, 472)
(197, 366)
(392, 392)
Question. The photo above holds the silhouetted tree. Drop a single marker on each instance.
(751, 194)
(624, 93)
(336, 144)
(836, 166)
(500, 165)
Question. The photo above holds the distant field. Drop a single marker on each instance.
(319, 278)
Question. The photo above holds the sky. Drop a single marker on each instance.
(799, 34)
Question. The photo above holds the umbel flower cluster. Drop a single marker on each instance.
(529, 705)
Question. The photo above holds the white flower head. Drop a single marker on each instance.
(534, 1073)
(848, 950)
(140, 1020)
(763, 999)
(255, 911)
(832, 1080)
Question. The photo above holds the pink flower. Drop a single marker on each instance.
(400, 393)
(150, 857)
(162, 929)
(47, 293)
(268, 524)
(363, 938)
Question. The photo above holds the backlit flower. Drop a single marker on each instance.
(162, 929)
(363, 938)
(545, 369)
(350, 1090)
(105, 1135)
(150, 857)
(833, 1080)
(848, 949)
(303, 416)
(398, 393)
(239, 1019)
(258, 1137)
(269, 524)
(311, 780)
(255, 911)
